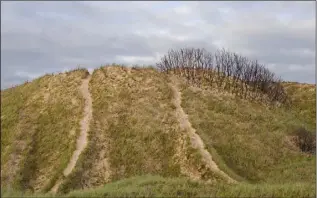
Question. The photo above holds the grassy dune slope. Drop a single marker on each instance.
(250, 139)
(134, 131)
(136, 146)
(39, 126)
(303, 98)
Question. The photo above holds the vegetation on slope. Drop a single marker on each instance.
(134, 131)
(231, 103)
(251, 138)
(303, 99)
(228, 71)
(39, 126)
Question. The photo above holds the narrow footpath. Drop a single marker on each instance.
(83, 137)
(196, 141)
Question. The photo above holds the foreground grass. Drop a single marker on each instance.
(157, 186)
(40, 123)
(249, 138)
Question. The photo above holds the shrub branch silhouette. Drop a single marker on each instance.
(226, 70)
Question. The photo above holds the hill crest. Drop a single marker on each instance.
(135, 124)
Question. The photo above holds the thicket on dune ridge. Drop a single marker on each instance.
(305, 140)
(227, 70)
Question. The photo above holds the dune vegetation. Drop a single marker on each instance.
(196, 125)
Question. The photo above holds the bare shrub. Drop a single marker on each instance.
(226, 70)
(305, 140)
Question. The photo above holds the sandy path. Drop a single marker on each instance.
(196, 141)
(84, 127)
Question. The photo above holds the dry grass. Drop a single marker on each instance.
(39, 123)
(135, 131)
(303, 98)
(249, 137)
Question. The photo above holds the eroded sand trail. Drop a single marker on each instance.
(84, 128)
(195, 139)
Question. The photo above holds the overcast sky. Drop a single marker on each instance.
(45, 37)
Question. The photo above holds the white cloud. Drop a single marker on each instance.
(136, 59)
(182, 10)
(40, 37)
(302, 52)
(28, 75)
(225, 10)
(90, 70)
(301, 68)
(271, 66)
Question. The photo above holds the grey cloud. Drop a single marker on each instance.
(254, 28)
(40, 37)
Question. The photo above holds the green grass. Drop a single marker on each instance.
(157, 186)
(13, 101)
(40, 115)
(250, 138)
(303, 97)
(134, 130)
(20, 107)
(136, 146)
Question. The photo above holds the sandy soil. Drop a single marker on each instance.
(196, 141)
(82, 139)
